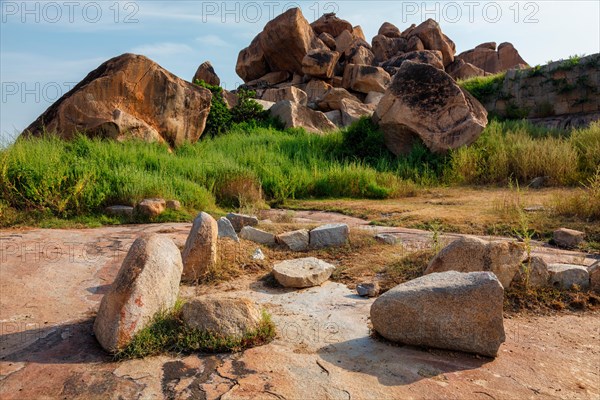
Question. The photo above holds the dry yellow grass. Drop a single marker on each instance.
(483, 211)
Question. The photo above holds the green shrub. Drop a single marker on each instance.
(167, 333)
(484, 88)
(219, 118)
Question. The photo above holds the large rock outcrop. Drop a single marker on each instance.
(425, 102)
(147, 283)
(449, 310)
(331, 53)
(281, 46)
(486, 57)
(129, 96)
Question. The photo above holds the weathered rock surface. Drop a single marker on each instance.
(430, 34)
(328, 39)
(320, 63)
(302, 272)
(206, 73)
(365, 78)
(352, 111)
(594, 273)
(389, 30)
(286, 40)
(226, 229)
(387, 238)
(534, 272)
(257, 235)
(449, 310)
(240, 220)
(289, 93)
(424, 102)
(329, 235)
(119, 211)
(294, 115)
(331, 24)
(270, 79)
(200, 252)
(369, 289)
(460, 69)
(129, 96)
(332, 99)
(385, 48)
(147, 283)
(316, 90)
(568, 238)
(221, 316)
(565, 276)
(469, 254)
(431, 57)
(488, 59)
(151, 208)
(296, 240)
(251, 63)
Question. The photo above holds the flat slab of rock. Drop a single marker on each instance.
(329, 235)
(119, 211)
(240, 220)
(296, 240)
(387, 238)
(200, 252)
(226, 230)
(257, 235)
(568, 238)
(302, 272)
(148, 282)
(225, 317)
(564, 276)
(448, 310)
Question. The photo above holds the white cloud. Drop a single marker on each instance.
(212, 40)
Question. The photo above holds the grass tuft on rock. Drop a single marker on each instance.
(168, 334)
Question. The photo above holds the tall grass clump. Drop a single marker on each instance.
(514, 150)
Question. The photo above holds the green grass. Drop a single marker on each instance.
(47, 180)
(483, 88)
(168, 334)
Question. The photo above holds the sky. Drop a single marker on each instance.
(46, 47)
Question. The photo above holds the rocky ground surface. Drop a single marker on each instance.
(51, 283)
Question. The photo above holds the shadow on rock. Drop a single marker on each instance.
(397, 365)
(72, 343)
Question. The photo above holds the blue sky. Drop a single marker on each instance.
(48, 46)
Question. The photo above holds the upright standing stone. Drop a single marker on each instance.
(200, 253)
(226, 229)
(148, 282)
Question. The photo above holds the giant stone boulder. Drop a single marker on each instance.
(425, 103)
(449, 310)
(147, 283)
(129, 96)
